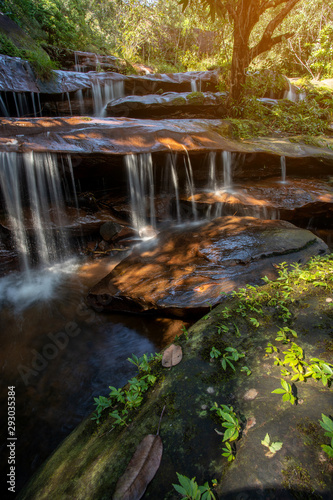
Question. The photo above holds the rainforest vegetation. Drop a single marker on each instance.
(164, 35)
(261, 38)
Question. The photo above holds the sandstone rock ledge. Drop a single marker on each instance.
(185, 270)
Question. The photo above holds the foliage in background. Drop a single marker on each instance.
(159, 34)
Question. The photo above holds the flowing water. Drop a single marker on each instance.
(59, 354)
(283, 169)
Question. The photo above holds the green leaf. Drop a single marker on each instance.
(179, 489)
(266, 441)
(327, 423)
(285, 385)
(230, 434)
(327, 449)
(185, 481)
(227, 417)
(276, 446)
(278, 391)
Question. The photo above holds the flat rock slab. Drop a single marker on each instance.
(184, 105)
(110, 135)
(16, 75)
(187, 269)
(268, 199)
(120, 136)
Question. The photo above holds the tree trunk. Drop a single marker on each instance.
(240, 61)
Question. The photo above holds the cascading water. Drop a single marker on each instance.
(32, 194)
(104, 93)
(283, 169)
(227, 170)
(142, 193)
(20, 104)
(190, 183)
(212, 179)
(194, 85)
(171, 177)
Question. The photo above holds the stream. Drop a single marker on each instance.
(62, 372)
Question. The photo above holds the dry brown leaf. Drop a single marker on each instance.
(172, 356)
(140, 470)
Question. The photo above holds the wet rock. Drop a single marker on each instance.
(296, 200)
(109, 229)
(111, 135)
(299, 469)
(202, 81)
(142, 69)
(16, 75)
(104, 246)
(189, 105)
(90, 137)
(89, 61)
(185, 269)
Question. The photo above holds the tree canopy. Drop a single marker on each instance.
(245, 14)
(293, 37)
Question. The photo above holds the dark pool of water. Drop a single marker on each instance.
(59, 355)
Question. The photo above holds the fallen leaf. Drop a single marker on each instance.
(140, 470)
(172, 356)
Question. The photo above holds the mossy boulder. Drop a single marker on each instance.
(90, 461)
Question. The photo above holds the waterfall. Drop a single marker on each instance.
(3, 108)
(32, 194)
(291, 93)
(142, 193)
(194, 85)
(190, 183)
(212, 180)
(283, 169)
(170, 182)
(227, 173)
(77, 66)
(69, 103)
(102, 94)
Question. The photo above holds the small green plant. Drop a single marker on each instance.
(141, 363)
(320, 370)
(271, 348)
(229, 356)
(185, 332)
(130, 397)
(246, 370)
(228, 452)
(283, 335)
(215, 353)
(226, 313)
(255, 322)
(287, 392)
(237, 332)
(273, 447)
(294, 357)
(229, 420)
(190, 490)
(327, 425)
(222, 328)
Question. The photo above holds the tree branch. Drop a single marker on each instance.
(270, 3)
(267, 44)
(279, 18)
(231, 10)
